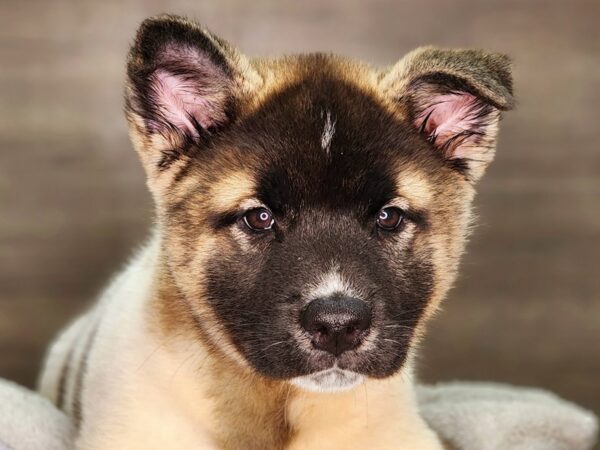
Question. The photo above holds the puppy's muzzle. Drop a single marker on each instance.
(336, 324)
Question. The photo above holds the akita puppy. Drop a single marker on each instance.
(310, 215)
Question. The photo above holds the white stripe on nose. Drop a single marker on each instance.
(331, 283)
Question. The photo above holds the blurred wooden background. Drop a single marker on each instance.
(73, 203)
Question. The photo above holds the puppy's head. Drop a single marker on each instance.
(313, 210)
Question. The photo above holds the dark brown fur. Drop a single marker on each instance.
(263, 143)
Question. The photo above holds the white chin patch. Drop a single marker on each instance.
(330, 380)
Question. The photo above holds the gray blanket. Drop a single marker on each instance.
(467, 416)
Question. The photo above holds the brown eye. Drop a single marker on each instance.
(259, 219)
(389, 218)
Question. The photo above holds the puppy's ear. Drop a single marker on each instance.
(183, 86)
(454, 99)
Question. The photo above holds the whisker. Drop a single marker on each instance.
(274, 344)
(397, 325)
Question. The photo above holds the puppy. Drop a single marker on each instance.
(310, 216)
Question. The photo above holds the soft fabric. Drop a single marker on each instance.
(468, 416)
(485, 416)
(30, 422)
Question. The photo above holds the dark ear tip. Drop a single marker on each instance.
(487, 72)
(156, 31)
(150, 32)
(162, 23)
(495, 71)
(500, 67)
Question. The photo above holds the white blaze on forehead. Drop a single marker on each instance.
(331, 283)
(328, 132)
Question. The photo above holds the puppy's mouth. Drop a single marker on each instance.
(333, 379)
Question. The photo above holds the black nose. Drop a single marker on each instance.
(336, 324)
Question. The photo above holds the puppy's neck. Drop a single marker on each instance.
(350, 419)
(251, 412)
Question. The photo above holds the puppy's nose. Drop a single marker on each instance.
(336, 324)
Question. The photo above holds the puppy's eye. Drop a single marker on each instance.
(259, 219)
(390, 218)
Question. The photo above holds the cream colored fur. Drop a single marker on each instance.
(149, 393)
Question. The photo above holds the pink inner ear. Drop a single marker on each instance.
(183, 100)
(452, 120)
(189, 91)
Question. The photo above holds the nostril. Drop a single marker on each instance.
(352, 331)
(322, 330)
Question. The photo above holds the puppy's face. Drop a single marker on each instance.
(312, 210)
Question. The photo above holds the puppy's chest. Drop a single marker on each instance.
(249, 417)
(240, 411)
(281, 421)
(339, 421)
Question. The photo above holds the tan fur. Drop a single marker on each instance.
(259, 404)
(367, 417)
(164, 372)
(231, 190)
(413, 185)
